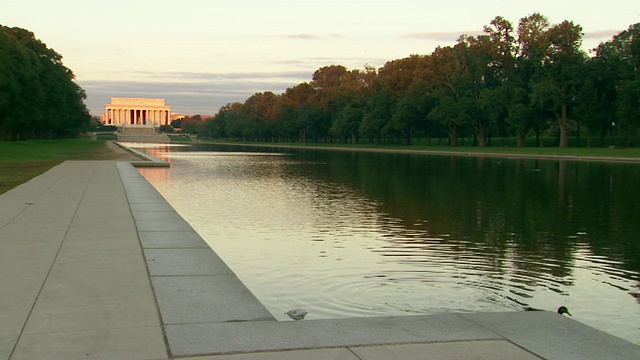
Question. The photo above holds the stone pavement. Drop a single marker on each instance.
(96, 264)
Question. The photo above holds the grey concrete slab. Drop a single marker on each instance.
(111, 254)
(103, 274)
(151, 207)
(25, 257)
(62, 295)
(7, 343)
(59, 195)
(22, 197)
(12, 321)
(11, 324)
(139, 189)
(221, 338)
(462, 350)
(173, 239)
(160, 221)
(19, 292)
(146, 200)
(37, 238)
(555, 337)
(43, 219)
(117, 243)
(172, 262)
(207, 299)
(314, 354)
(116, 344)
(9, 210)
(79, 318)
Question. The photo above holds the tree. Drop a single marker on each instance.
(166, 128)
(412, 111)
(337, 87)
(504, 81)
(556, 83)
(452, 113)
(20, 88)
(377, 114)
(459, 75)
(520, 114)
(348, 122)
(595, 106)
(622, 55)
(192, 125)
(262, 109)
(38, 95)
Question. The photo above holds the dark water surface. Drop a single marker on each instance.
(349, 234)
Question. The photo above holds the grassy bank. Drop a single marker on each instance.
(23, 160)
(542, 152)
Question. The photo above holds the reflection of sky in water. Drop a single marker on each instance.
(299, 242)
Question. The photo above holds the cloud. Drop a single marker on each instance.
(452, 36)
(600, 34)
(185, 95)
(440, 35)
(312, 36)
(318, 62)
(200, 76)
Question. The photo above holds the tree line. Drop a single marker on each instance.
(38, 95)
(531, 80)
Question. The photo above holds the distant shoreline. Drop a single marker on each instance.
(446, 153)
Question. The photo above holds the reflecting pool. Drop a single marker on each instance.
(349, 234)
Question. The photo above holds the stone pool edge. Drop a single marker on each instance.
(207, 310)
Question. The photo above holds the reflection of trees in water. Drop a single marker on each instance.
(518, 221)
(534, 212)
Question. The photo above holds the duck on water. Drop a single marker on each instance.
(561, 310)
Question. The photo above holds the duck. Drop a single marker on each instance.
(297, 314)
(561, 310)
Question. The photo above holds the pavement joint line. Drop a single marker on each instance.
(146, 266)
(480, 325)
(524, 348)
(53, 262)
(30, 204)
(348, 347)
(353, 353)
(502, 337)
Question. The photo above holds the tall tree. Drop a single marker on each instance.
(557, 83)
(412, 100)
(337, 87)
(39, 95)
(622, 54)
(596, 99)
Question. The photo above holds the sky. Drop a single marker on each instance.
(202, 54)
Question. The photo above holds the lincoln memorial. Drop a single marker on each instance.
(137, 112)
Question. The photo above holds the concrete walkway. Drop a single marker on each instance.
(96, 264)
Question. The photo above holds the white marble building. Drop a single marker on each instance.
(137, 112)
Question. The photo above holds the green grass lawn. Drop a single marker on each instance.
(542, 151)
(179, 138)
(106, 137)
(23, 160)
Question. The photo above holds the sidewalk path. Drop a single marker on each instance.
(74, 280)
